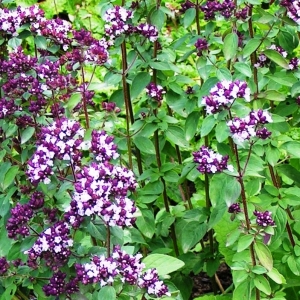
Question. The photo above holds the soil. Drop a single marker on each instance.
(203, 285)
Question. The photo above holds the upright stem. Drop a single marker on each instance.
(129, 110)
(108, 241)
(165, 196)
(86, 115)
(245, 208)
(254, 54)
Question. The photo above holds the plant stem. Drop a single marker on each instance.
(87, 121)
(165, 196)
(129, 111)
(254, 54)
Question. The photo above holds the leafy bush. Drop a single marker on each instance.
(145, 142)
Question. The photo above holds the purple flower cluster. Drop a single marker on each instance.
(234, 208)
(186, 5)
(4, 266)
(118, 23)
(150, 281)
(210, 161)
(21, 214)
(212, 7)
(53, 245)
(101, 190)
(264, 219)
(223, 94)
(294, 63)
(155, 91)
(110, 107)
(12, 20)
(293, 9)
(148, 31)
(57, 285)
(242, 14)
(243, 129)
(121, 265)
(62, 140)
(201, 45)
(17, 224)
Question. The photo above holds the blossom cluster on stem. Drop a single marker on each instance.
(223, 94)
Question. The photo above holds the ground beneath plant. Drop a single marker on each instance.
(203, 285)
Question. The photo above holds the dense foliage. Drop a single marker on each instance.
(144, 142)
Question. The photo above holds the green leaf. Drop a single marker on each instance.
(272, 155)
(189, 17)
(14, 42)
(283, 78)
(27, 134)
(207, 125)
(243, 68)
(73, 100)
(152, 188)
(244, 242)
(292, 148)
(164, 264)
(230, 45)
(10, 176)
(41, 42)
(272, 95)
(191, 125)
(262, 284)
(243, 291)
(277, 58)
(140, 81)
(264, 255)
(144, 144)
(146, 223)
(98, 232)
(222, 131)
(224, 74)
(107, 293)
(294, 265)
(189, 233)
(295, 90)
(250, 47)
(224, 189)
(290, 172)
(176, 135)
(158, 18)
(217, 214)
(276, 276)
(287, 41)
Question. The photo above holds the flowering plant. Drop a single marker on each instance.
(145, 143)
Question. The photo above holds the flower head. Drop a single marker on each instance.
(210, 161)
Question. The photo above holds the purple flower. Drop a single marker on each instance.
(17, 224)
(234, 208)
(155, 91)
(148, 31)
(210, 161)
(243, 129)
(100, 269)
(53, 245)
(201, 45)
(186, 5)
(57, 285)
(264, 219)
(223, 94)
(4, 266)
(294, 63)
(154, 286)
(293, 9)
